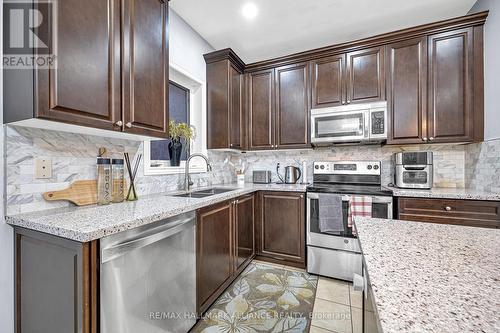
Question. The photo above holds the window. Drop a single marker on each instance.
(186, 104)
(178, 108)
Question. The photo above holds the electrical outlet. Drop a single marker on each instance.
(43, 168)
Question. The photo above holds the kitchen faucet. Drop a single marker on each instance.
(187, 177)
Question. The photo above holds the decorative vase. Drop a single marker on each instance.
(175, 150)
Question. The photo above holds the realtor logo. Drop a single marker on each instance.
(27, 29)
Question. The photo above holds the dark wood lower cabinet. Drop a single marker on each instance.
(225, 247)
(56, 284)
(280, 230)
(244, 235)
(448, 211)
(214, 259)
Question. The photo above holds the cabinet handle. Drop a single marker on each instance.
(119, 123)
(447, 208)
(301, 195)
(424, 139)
(343, 102)
(348, 102)
(431, 138)
(129, 125)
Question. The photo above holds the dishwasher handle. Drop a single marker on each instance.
(121, 249)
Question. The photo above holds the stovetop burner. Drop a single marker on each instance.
(376, 190)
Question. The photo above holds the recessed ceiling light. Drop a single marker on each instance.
(249, 10)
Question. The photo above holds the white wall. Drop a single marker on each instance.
(187, 47)
(491, 67)
(6, 235)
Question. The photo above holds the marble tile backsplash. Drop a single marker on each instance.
(448, 160)
(73, 157)
(482, 165)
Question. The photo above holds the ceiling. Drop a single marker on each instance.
(287, 26)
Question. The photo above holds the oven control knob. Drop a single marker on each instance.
(369, 167)
(346, 241)
(375, 167)
(316, 167)
(322, 167)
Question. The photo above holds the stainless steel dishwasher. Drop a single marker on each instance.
(148, 278)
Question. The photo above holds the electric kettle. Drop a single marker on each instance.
(292, 174)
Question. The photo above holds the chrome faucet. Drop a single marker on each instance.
(187, 177)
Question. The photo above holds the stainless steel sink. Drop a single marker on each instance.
(205, 193)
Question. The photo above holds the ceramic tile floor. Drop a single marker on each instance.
(337, 307)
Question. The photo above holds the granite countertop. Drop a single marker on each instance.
(432, 277)
(445, 193)
(88, 223)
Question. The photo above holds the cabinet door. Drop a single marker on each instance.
(407, 91)
(244, 230)
(292, 106)
(365, 75)
(235, 109)
(84, 89)
(450, 86)
(328, 77)
(218, 105)
(214, 252)
(281, 227)
(261, 109)
(145, 64)
(56, 288)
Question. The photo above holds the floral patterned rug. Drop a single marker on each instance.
(264, 298)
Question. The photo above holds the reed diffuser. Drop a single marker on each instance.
(132, 193)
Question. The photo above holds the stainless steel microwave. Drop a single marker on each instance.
(355, 123)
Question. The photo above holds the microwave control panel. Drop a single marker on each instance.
(378, 122)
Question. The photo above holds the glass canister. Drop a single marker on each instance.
(118, 175)
(103, 181)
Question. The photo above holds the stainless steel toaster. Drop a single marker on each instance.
(262, 176)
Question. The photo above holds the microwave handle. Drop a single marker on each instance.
(366, 120)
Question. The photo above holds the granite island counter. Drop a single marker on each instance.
(431, 277)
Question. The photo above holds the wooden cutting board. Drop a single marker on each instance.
(80, 192)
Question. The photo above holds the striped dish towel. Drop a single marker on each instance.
(358, 206)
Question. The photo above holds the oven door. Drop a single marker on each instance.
(348, 126)
(381, 208)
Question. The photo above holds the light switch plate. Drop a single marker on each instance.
(43, 168)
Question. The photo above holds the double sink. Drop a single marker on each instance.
(205, 193)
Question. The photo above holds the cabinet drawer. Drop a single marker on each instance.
(462, 212)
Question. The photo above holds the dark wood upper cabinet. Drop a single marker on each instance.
(365, 75)
(281, 227)
(112, 69)
(214, 252)
(451, 75)
(292, 106)
(146, 67)
(225, 118)
(261, 104)
(328, 77)
(85, 87)
(407, 91)
(236, 110)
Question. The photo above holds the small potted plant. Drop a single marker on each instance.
(178, 132)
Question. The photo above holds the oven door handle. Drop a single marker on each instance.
(378, 200)
(315, 196)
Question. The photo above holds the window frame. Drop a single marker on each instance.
(197, 118)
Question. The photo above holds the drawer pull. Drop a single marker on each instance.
(447, 208)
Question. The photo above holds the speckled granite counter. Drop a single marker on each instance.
(446, 193)
(93, 222)
(431, 277)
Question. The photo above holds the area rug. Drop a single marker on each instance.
(264, 298)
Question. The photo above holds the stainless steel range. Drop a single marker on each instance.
(337, 253)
